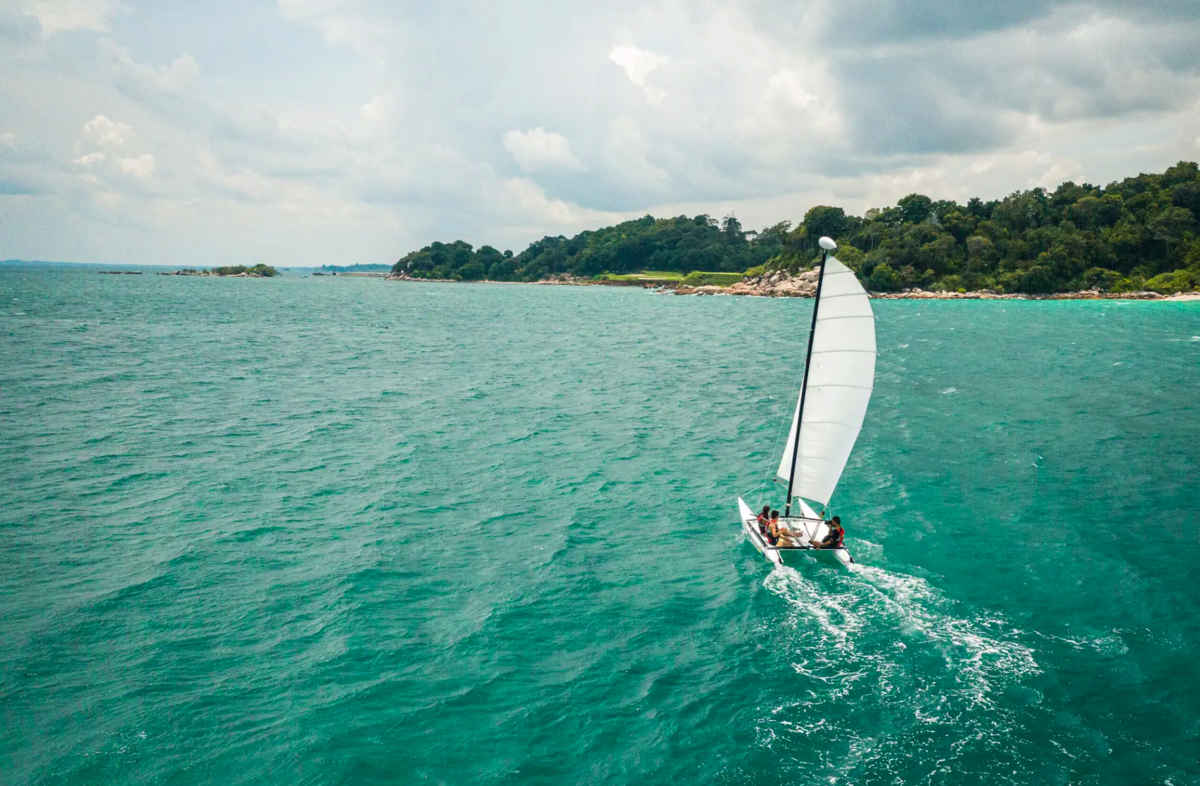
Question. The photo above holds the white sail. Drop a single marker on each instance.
(839, 380)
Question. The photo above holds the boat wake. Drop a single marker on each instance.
(886, 652)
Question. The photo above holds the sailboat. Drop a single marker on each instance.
(839, 374)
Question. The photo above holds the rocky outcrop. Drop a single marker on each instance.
(565, 279)
(407, 277)
(781, 284)
(775, 284)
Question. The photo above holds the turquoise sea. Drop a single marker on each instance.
(342, 531)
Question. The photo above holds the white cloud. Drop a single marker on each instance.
(8, 139)
(341, 24)
(783, 85)
(539, 149)
(182, 72)
(58, 16)
(1058, 172)
(90, 158)
(372, 110)
(141, 167)
(638, 65)
(105, 132)
(629, 150)
(526, 211)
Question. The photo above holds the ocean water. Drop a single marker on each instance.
(342, 531)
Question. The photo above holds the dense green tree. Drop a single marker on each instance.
(915, 208)
(824, 221)
(1140, 231)
(1169, 226)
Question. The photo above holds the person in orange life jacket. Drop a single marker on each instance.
(833, 539)
(784, 538)
(769, 530)
(764, 519)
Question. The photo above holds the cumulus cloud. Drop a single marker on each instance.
(373, 110)
(179, 73)
(539, 149)
(342, 23)
(58, 16)
(103, 131)
(638, 65)
(141, 167)
(628, 157)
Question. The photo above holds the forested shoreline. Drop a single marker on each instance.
(1140, 233)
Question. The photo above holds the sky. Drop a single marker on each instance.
(308, 132)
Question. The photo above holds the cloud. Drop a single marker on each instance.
(539, 149)
(628, 157)
(341, 24)
(141, 167)
(103, 131)
(145, 79)
(373, 110)
(59, 16)
(638, 65)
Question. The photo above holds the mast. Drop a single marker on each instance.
(826, 244)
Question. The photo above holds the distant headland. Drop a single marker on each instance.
(1138, 237)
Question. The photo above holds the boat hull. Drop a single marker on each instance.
(806, 530)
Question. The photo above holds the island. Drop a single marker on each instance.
(235, 271)
(1138, 237)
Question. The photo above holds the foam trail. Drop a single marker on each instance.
(891, 645)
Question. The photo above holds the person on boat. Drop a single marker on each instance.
(833, 539)
(783, 537)
(764, 519)
(767, 528)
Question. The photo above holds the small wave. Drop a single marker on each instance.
(1105, 645)
(949, 390)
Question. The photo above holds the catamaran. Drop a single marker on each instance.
(839, 374)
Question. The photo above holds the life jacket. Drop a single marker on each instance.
(835, 536)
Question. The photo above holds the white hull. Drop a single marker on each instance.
(808, 529)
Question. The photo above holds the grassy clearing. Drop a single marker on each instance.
(699, 278)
